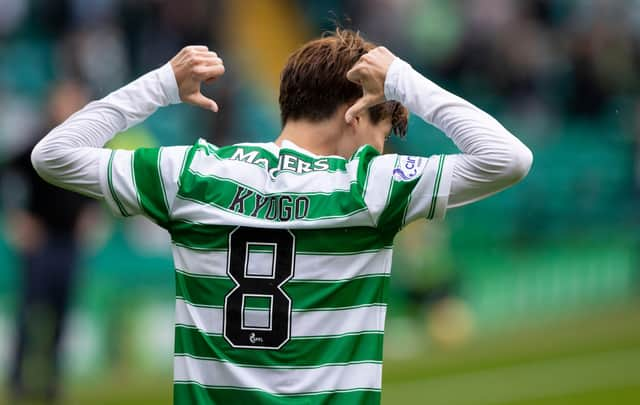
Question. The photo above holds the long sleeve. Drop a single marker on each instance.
(71, 155)
(491, 159)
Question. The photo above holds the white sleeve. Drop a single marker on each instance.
(142, 182)
(492, 157)
(71, 155)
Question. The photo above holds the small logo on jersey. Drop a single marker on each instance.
(254, 339)
(408, 168)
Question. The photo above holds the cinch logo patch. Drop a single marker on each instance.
(408, 167)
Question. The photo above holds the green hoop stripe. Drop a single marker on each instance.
(320, 241)
(305, 295)
(310, 353)
(188, 393)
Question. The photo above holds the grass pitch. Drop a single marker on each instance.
(586, 360)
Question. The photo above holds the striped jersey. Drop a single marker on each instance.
(282, 262)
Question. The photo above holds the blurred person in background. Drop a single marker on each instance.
(430, 282)
(44, 228)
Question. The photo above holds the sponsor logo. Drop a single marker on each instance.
(408, 168)
(254, 339)
(286, 163)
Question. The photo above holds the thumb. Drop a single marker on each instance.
(359, 106)
(200, 100)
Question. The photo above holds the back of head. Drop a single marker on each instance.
(314, 83)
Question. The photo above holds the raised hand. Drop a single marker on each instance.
(192, 66)
(369, 72)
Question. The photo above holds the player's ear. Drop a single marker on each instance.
(354, 121)
(354, 124)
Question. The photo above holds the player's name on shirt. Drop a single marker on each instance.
(286, 162)
(280, 207)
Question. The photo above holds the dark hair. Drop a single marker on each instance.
(314, 83)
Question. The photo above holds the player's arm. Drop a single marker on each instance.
(491, 159)
(72, 155)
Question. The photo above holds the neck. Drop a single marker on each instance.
(321, 138)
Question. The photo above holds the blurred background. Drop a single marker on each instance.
(529, 297)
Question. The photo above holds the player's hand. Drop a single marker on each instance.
(192, 66)
(369, 72)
